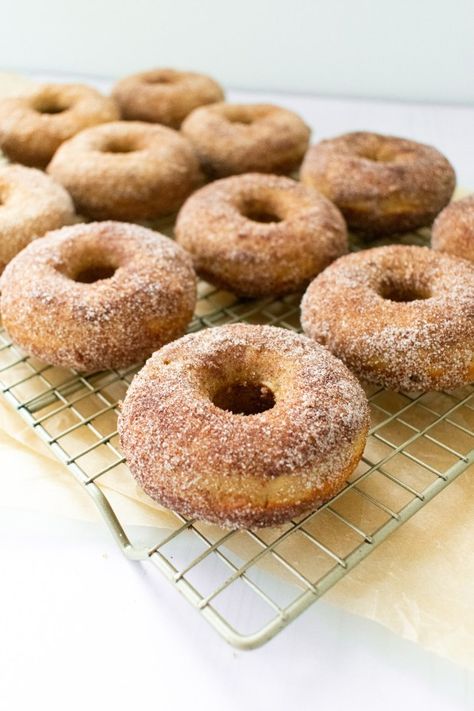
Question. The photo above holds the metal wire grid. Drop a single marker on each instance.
(251, 584)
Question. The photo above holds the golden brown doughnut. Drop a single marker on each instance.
(31, 203)
(164, 96)
(381, 184)
(34, 125)
(243, 425)
(399, 316)
(127, 170)
(453, 229)
(95, 296)
(258, 234)
(245, 138)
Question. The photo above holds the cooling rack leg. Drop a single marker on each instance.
(130, 551)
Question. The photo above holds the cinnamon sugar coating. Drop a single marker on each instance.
(258, 234)
(164, 96)
(31, 204)
(96, 296)
(399, 316)
(245, 138)
(381, 184)
(240, 470)
(127, 170)
(33, 126)
(453, 230)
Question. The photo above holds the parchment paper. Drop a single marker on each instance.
(419, 583)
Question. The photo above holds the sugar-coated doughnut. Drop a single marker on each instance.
(164, 96)
(453, 229)
(243, 425)
(33, 126)
(257, 234)
(31, 204)
(96, 296)
(381, 184)
(127, 170)
(399, 316)
(246, 138)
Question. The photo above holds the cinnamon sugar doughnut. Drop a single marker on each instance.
(127, 170)
(164, 96)
(453, 230)
(34, 125)
(399, 316)
(246, 138)
(381, 184)
(243, 425)
(95, 296)
(258, 234)
(31, 203)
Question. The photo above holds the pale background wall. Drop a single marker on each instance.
(404, 49)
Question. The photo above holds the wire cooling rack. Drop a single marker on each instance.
(250, 584)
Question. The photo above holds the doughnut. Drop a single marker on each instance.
(34, 125)
(453, 229)
(127, 170)
(31, 204)
(243, 425)
(164, 96)
(381, 184)
(245, 138)
(258, 234)
(98, 295)
(399, 316)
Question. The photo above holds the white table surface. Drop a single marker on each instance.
(81, 627)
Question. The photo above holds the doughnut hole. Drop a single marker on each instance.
(242, 120)
(403, 291)
(243, 116)
(382, 152)
(376, 155)
(119, 144)
(159, 80)
(93, 273)
(89, 266)
(161, 77)
(244, 398)
(260, 210)
(49, 105)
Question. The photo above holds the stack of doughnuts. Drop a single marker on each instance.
(241, 425)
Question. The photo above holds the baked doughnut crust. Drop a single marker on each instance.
(127, 170)
(31, 204)
(381, 184)
(243, 425)
(453, 229)
(399, 316)
(258, 234)
(245, 138)
(96, 296)
(164, 96)
(33, 126)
